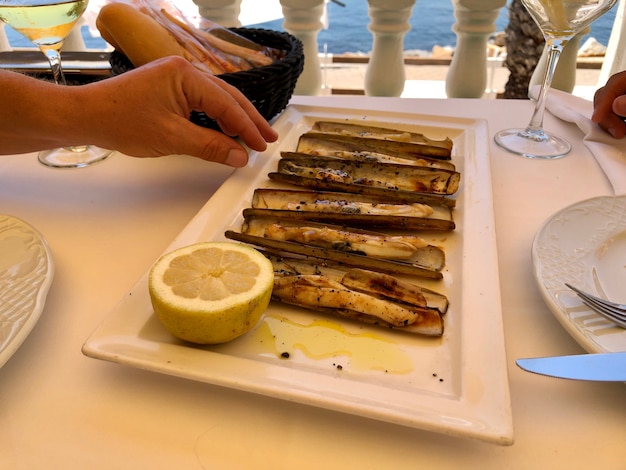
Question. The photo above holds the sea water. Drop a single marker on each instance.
(346, 28)
(431, 25)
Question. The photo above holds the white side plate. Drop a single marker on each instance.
(455, 385)
(584, 245)
(26, 272)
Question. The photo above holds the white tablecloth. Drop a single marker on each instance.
(107, 224)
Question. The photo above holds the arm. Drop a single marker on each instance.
(143, 113)
(610, 106)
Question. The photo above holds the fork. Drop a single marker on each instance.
(610, 310)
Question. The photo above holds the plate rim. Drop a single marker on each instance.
(550, 295)
(13, 342)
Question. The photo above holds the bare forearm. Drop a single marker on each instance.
(32, 114)
(143, 113)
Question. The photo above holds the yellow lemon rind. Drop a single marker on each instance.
(219, 321)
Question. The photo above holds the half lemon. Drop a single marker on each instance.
(211, 292)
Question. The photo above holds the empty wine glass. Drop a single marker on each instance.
(559, 21)
(47, 23)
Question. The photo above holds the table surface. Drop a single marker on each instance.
(108, 223)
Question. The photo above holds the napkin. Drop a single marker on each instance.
(610, 153)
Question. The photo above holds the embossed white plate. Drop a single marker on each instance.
(584, 245)
(26, 272)
(456, 384)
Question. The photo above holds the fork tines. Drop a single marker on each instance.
(610, 310)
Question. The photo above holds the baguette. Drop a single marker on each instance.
(137, 35)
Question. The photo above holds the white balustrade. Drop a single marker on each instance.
(615, 59)
(565, 74)
(74, 41)
(223, 12)
(4, 41)
(385, 75)
(475, 22)
(303, 19)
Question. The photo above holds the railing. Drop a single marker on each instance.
(385, 76)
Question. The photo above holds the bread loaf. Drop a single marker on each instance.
(141, 38)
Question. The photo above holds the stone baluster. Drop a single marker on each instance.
(475, 22)
(75, 41)
(223, 12)
(615, 59)
(565, 74)
(303, 19)
(4, 41)
(385, 74)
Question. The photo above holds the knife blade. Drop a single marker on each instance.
(607, 367)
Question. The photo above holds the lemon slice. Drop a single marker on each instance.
(211, 292)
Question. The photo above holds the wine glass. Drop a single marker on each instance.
(559, 21)
(47, 23)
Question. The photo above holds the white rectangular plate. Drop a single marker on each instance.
(456, 384)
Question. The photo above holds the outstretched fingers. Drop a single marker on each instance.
(237, 116)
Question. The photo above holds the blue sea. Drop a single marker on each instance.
(431, 24)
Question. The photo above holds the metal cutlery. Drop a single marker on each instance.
(610, 310)
(608, 367)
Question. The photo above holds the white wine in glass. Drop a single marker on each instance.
(559, 21)
(47, 23)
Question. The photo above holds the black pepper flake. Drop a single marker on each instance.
(285, 355)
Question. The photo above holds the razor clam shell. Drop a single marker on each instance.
(389, 176)
(362, 156)
(310, 141)
(276, 200)
(380, 133)
(295, 290)
(347, 259)
(430, 325)
(427, 257)
(356, 220)
(285, 265)
(395, 196)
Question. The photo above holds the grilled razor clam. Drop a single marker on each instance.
(364, 156)
(309, 141)
(370, 281)
(387, 247)
(322, 294)
(429, 255)
(316, 201)
(285, 265)
(369, 221)
(380, 133)
(395, 196)
(407, 248)
(380, 175)
(391, 287)
(352, 209)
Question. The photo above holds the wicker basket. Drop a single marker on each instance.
(269, 87)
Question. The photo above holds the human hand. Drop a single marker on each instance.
(145, 113)
(610, 106)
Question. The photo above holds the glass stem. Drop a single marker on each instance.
(556, 47)
(54, 57)
(53, 53)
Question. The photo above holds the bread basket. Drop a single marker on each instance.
(269, 88)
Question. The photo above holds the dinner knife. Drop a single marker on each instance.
(608, 367)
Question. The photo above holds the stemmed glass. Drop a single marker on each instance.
(559, 21)
(47, 23)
